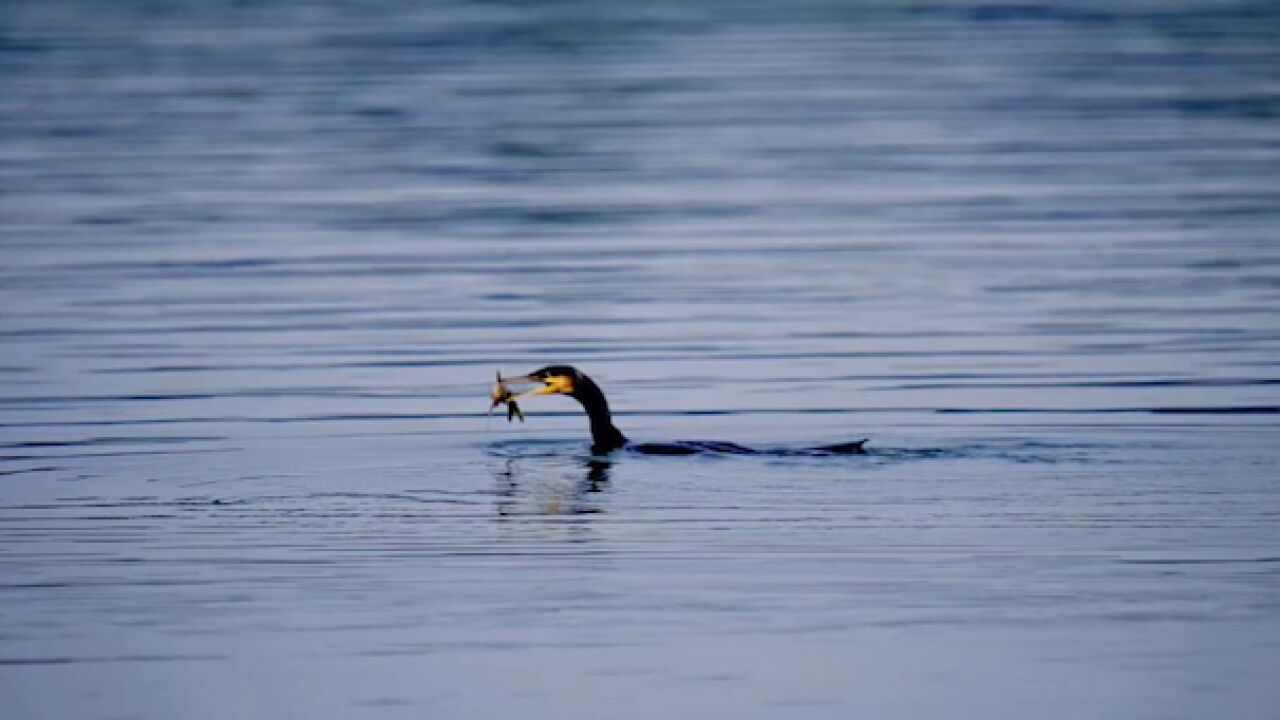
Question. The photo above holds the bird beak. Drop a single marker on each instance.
(554, 385)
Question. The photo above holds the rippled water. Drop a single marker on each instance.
(262, 260)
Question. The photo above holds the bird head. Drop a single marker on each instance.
(554, 379)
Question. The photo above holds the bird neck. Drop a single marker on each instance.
(604, 436)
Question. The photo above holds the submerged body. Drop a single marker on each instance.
(606, 437)
(693, 447)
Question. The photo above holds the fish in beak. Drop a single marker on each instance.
(554, 379)
(503, 395)
(549, 383)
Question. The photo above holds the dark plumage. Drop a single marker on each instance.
(606, 437)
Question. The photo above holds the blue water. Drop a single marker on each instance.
(261, 261)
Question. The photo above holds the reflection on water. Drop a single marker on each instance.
(567, 495)
(260, 261)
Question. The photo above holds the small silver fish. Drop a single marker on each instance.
(502, 395)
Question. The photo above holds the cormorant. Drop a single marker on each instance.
(606, 437)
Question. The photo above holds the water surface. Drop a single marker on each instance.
(261, 261)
